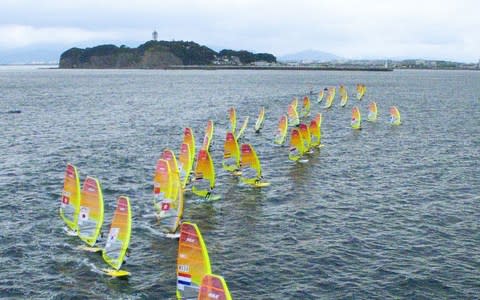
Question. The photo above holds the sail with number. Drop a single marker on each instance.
(241, 132)
(231, 153)
(119, 234)
(189, 139)
(204, 174)
(305, 107)
(162, 184)
(207, 139)
(169, 156)
(356, 122)
(214, 287)
(343, 96)
(70, 201)
(193, 262)
(170, 209)
(260, 120)
(232, 117)
(372, 112)
(305, 132)
(185, 164)
(90, 219)
(315, 134)
(282, 130)
(296, 145)
(330, 97)
(394, 116)
(293, 119)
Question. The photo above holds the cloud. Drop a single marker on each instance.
(350, 28)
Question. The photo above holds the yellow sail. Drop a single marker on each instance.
(90, 219)
(169, 156)
(207, 139)
(232, 117)
(294, 103)
(293, 119)
(119, 234)
(282, 129)
(361, 89)
(231, 153)
(319, 119)
(70, 202)
(305, 107)
(320, 96)
(170, 207)
(162, 184)
(343, 96)
(250, 165)
(193, 262)
(214, 287)
(356, 118)
(189, 139)
(296, 145)
(372, 112)
(305, 132)
(394, 116)
(315, 134)
(330, 97)
(260, 120)
(242, 129)
(185, 164)
(204, 175)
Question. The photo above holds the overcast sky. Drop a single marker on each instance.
(433, 29)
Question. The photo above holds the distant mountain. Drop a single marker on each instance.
(310, 55)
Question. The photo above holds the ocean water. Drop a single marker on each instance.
(385, 212)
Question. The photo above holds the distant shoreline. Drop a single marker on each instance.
(291, 68)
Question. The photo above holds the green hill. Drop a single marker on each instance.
(156, 54)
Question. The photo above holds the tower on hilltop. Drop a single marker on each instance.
(155, 35)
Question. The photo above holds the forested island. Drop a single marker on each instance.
(157, 55)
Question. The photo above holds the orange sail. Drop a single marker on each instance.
(372, 112)
(204, 174)
(293, 119)
(232, 117)
(193, 262)
(214, 287)
(296, 145)
(394, 116)
(315, 134)
(231, 153)
(185, 164)
(282, 129)
(305, 107)
(356, 118)
(319, 119)
(189, 139)
(250, 165)
(305, 132)
(90, 219)
(207, 139)
(70, 201)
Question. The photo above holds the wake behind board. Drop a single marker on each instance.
(115, 273)
(170, 235)
(70, 232)
(90, 249)
(261, 184)
(210, 198)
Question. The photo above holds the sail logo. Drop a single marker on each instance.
(212, 295)
(165, 206)
(65, 200)
(184, 268)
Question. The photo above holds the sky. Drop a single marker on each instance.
(429, 29)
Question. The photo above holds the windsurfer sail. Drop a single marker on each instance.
(204, 175)
(305, 132)
(242, 129)
(330, 97)
(343, 96)
(231, 154)
(70, 201)
(356, 122)
(189, 139)
(305, 107)
(214, 287)
(293, 119)
(185, 164)
(372, 112)
(90, 219)
(260, 120)
(282, 128)
(207, 139)
(232, 117)
(250, 166)
(394, 116)
(296, 145)
(193, 262)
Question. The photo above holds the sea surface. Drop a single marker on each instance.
(385, 212)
